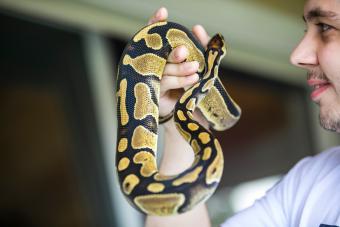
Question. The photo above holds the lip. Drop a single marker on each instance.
(319, 87)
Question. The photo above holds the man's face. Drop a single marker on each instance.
(319, 53)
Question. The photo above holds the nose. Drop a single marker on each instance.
(305, 53)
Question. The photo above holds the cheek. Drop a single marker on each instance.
(329, 60)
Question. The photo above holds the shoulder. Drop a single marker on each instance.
(302, 179)
(331, 155)
(324, 162)
(293, 189)
(285, 202)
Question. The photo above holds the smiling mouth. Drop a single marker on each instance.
(319, 86)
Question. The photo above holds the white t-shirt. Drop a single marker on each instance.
(308, 196)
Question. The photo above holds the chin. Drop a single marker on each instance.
(330, 120)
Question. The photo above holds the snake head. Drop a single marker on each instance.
(217, 43)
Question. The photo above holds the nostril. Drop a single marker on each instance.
(303, 58)
(305, 53)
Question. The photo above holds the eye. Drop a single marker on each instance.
(324, 27)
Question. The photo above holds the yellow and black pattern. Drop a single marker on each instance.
(139, 74)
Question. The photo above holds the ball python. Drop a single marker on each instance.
(138, 88)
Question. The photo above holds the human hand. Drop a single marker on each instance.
(177, 74)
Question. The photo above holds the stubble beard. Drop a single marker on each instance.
(330, 121)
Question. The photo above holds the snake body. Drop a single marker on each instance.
(138, 85)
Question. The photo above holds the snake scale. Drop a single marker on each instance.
(138, 86)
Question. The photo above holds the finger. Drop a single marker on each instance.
(181, 69)
(160, 15)
(201, 35)
(179, 54)
(173, 82)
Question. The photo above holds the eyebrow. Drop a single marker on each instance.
(318, 12)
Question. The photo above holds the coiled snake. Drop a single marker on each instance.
(138, 85)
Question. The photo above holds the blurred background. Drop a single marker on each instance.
(58, 62)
